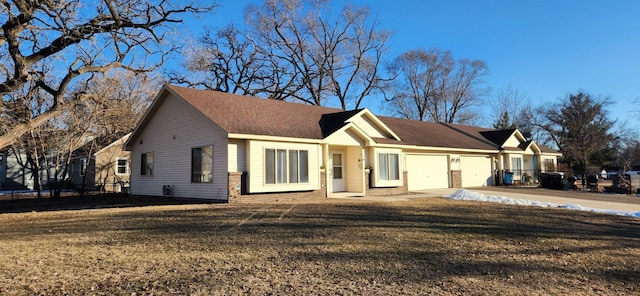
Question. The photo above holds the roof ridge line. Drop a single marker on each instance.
(470, 135)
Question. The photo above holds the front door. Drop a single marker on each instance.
(337, 170)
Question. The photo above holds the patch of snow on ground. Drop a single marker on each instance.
(475, 196)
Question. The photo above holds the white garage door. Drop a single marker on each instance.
(427, 171)
(476, 171)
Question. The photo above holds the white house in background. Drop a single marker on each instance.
(207, 144)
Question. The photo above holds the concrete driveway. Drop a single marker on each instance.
(616, 204)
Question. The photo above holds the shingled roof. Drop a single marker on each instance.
(331, 122)
(249, 115)
(254, 116)
(499, 137)
(432, 134)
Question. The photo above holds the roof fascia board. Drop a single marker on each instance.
(114, 143)
(374, 118)
(432, 148)
(164, 93)
(272, 138)
(534, 147)
(481, 139)
(355, 128)
(519, 135)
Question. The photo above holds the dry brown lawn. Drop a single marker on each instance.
(327, 247)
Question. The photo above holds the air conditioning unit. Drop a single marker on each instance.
(167, 190)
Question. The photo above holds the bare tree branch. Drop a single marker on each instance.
(78, 38)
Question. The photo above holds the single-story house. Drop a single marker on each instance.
(112, 167)
(207, 144)
(106, 169)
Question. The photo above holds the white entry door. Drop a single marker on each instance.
(337, 170)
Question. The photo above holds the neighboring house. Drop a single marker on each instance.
(81, 171)
(207, 144)
(16, 175)
(112, 167)
(106, 169)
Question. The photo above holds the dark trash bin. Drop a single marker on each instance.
(551, 180)
(592, 181)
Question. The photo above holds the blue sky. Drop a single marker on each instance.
(544, 49)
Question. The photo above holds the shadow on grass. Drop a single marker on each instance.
(373, 243)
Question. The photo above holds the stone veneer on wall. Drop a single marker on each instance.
(387, 190)
(456, 179)
(238, 190)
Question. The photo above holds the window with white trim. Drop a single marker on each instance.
(549, 165)
(122, 166)
(388, 166)
(146, 164)
(286, 166)
(202, 164)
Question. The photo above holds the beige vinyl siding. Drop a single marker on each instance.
(512, 142)
(345, 138)
(512, 165)
(374, 160)
(173, 131)
(354, 169)
(106, 175)
(528, 151)
(237, 156)
(369, 127)
(256, 167)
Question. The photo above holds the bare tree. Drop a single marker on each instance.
(629, 154)
(317, 53)
(430, 85)
(459, 91)
(508, 107)
(636, 112)
(117, 100)
(47, 46)
(414, 89)
(115, 103)
(225, 60)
